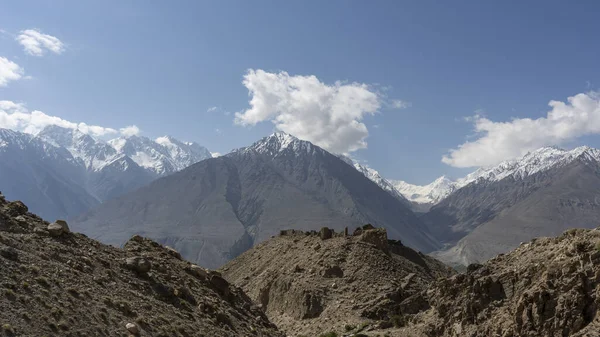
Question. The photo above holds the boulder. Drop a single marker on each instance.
(197, 271)
(132, 328)
(377, 236)
(220, 284)
(58, 228)
(138, 264)
(55, 229)
(325, 233)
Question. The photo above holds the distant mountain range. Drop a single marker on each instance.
(62, 172)
(218, 208)
(213, 209)
(541, 194)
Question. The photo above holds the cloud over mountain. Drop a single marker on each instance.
(329, 115)
(15, 116)
(498, 141)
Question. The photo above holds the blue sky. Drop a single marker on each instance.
(162, 65)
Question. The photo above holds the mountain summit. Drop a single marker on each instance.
(543, 193)
(218, 208)
(62, 172)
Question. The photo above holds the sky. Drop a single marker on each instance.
(413, 89)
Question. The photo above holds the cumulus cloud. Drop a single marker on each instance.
(129, 131)
(215, 154)
(36, 43)
(329, 115)
(15, 116)
(498, 141)
(9, 71)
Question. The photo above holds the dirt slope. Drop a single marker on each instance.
(57, 283)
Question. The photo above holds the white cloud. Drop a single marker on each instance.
(15, 116)
(400, 104)
(9, 71)
(218, 131)
(327, 115)
(211, 109)
(129, 131)
(36, 43)
(498, 141)
(215, 154)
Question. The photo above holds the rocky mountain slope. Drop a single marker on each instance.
(62, 172)
(358, 286)
(543, 193)
(311, 283)
(546, 287)
(216, 209)
(57, 283)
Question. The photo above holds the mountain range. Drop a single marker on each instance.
(218, 208)
(63, 172)
(213, 209)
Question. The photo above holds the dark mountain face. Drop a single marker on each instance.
(218, 208)
(478, 222)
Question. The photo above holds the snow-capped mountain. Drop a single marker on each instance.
(100, 170)
(215, 210)
(543, 193)
(374, 176)
(428, 194)
(280, 143)
(162, 156)
(532, 163)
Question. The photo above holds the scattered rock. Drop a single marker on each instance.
(138, 264)
(40, 231)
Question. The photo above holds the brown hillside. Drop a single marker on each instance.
(57, 283)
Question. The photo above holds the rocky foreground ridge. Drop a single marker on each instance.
(313, 282)
(366, 285)
(57, 283)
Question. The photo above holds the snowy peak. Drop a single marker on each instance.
(162, 156)
(427, 194)
(92, 153)
(533, 162)
(281, 142)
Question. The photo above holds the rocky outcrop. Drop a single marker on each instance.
(309, 283)
(547, 287)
